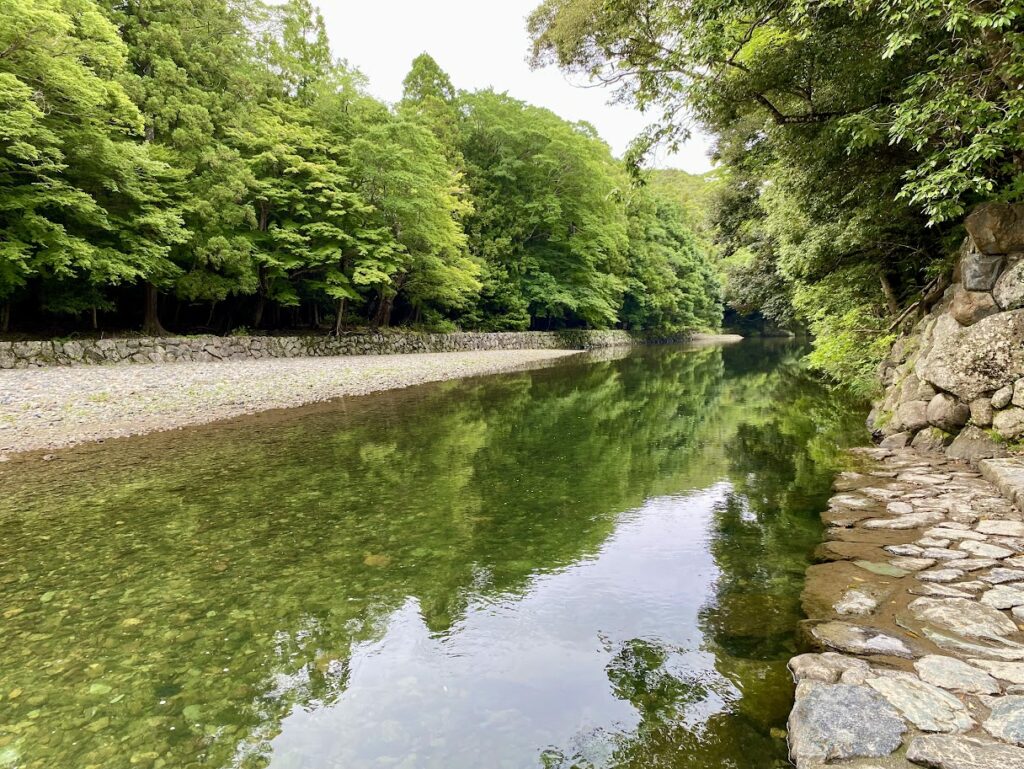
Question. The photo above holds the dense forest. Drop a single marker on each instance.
(211, 165)
(851, 135)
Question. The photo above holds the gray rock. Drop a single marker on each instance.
(981, 412)
(931, 439)
(857, 602)
(943, 751)
(985, 549)
(1004, 671)
(968, 307)
(1009, 289)
(981, 270)
(844, 637)
(912, 415)
(1003, 597)
(1007, 720)
(829, 668)
(1018, 393)
(1002, 576)
(962, 616)
(904, 522)
(1009, 422)
(1002, 397)
(1001, 528)
(837, 721)
(927, 707)
(940, 575)
(974, 360)
(997, 228)
(897, 440)
(951, 673)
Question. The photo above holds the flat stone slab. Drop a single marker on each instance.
(1007, 720)
(1007, 475)
(927, 707)
(1006, 671)
(855, 639)
(963, 616)
(838, 721)
(941, 751)
(957, 675)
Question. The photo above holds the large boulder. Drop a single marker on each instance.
(912, 415)
(1009, 290)
(997, 228)
(973, 444)
(947, 413)
(969, 307)
(974, 360)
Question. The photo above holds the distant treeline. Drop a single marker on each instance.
(209, 165)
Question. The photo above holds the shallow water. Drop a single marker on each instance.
(595, 564)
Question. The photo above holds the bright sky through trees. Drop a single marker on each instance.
(481, 44)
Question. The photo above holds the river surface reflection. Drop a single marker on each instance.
(595, 564)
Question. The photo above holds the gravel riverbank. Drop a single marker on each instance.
(51, 408)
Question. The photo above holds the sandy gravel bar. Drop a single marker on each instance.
(49, 408)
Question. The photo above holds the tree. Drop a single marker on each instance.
(80, 200)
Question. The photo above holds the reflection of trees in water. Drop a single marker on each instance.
(255, 560)
(785, 431)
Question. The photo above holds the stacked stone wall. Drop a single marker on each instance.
(955, 382)
(216, 348)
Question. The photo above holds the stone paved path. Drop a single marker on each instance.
(917, 609)
(48, 408)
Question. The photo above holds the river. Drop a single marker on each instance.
(592, 564)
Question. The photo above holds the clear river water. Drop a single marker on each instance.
(593, 564)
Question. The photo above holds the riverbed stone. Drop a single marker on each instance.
(985, 549)
(1002, 576)
(856, 603)
(1004, 671)
(941, 575)
(1006, 721)
(829, 668)
(1009, 289)
(1003, 597)
(962, 616)
(1001, 528)
(943, 751)
(926, 706)
(839, 721)
(904, 522)
(951, 673)
(855, 639)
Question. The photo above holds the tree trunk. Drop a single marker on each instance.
(383, 315)
(95, 320)
(209, 318)
(890, 295)
(339, 318)
(151, 322)
(5, 317)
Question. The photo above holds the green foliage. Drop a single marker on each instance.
(217, 152)
(851, 135)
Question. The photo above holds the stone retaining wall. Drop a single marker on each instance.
(955, 382)
(214, 348)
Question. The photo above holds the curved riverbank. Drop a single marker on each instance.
(917, 606)
(57, 407)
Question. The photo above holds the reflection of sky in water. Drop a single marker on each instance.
(516, 676)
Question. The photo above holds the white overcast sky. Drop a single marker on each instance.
(480, 43)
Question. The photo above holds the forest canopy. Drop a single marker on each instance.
(851, 135)
(209, 165)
